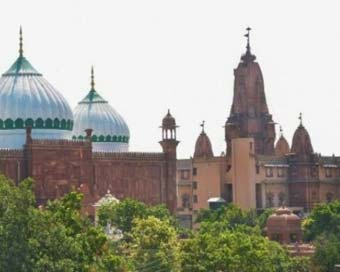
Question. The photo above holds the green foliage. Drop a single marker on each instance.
(59, 238)
(155, 246)
(56, 238)
(232, 251)
(300, 264)
(122, 214)
(327, 252)
(16, 209)
(230, 215)
(324, 218)
(262, 218)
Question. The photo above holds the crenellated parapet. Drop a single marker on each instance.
(11, 153)
(152, 156)
(60, 142)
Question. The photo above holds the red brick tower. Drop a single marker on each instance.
(169, 144)
(249, 115)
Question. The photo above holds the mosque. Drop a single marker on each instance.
(86, 149)
(256, 171)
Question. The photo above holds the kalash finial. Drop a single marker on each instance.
(21, 51)
(300, 118)
(92, 78)
(202, 125)
(248, 57)
(248, 38)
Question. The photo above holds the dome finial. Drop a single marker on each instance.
(202, 125)
(300, 118)
(21, 51)
(92, 78)
(248, 57)
(281, 131)
(248, 39)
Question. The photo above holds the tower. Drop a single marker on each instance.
(303, 170)
(249, 115)
(169, 144)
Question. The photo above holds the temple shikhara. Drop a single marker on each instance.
(256, 170)
(86, 149)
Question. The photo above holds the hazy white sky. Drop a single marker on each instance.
(179, 54)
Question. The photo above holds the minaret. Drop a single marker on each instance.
(169, 144)
(249, 115)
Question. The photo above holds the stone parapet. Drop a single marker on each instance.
(128, 156)
(60, 142)
(11, 153)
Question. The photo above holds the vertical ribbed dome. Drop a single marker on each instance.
(282, 146)
(110, 132)
(27, 99)
(302, 144)
(203, 147)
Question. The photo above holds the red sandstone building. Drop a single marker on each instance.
(256, 172)
(40, 137)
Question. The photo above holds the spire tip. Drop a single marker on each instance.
(92, 78)
(21, 51)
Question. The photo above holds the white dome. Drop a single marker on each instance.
(110, 133)
(27, 99)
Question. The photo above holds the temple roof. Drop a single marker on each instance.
(203, 147)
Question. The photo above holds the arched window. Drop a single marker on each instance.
(19, 123)
(39, 123)
(185, 200)
(63, 124)
(48, 123)
(29, 122)
(56, 123)
(9, 123)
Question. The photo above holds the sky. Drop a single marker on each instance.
(151, 56)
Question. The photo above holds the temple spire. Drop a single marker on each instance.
(202, 125)
(92, 78)
(21, 51)
(248, 57)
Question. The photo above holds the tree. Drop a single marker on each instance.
(154, 245)
(122, 214)
(300, 264)
(324, 218)
(16, 210)
(54, 238)
(327, 252)
(232, 250)
(231, 216)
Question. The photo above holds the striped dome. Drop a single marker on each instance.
(27, 99)
(110, 133)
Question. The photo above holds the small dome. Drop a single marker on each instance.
(107, 199)
(203, 147)
(302, 144)
(169, 121)
(284, 219)
(282, 146)
(110, 133)
(27, 99)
